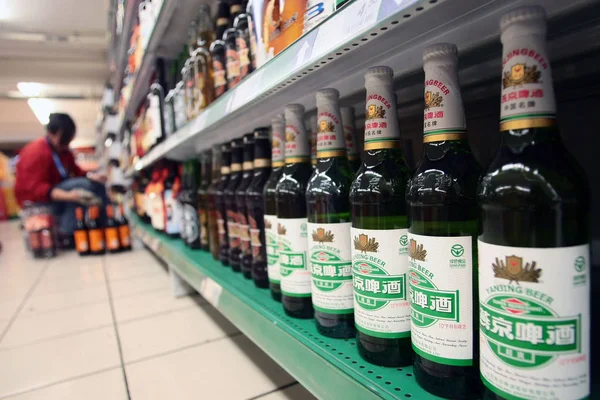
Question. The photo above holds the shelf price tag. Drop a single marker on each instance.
(211, 291)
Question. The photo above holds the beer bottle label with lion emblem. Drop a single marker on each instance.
(381, 118)
(379, 272)
(330, 262)
(330, 132)
(527, 93)
(441, 297)
(534, 312)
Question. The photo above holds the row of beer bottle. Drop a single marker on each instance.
(94, 237)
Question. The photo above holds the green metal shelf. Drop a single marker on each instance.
(329, 368)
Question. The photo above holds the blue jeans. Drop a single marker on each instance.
(64, 211)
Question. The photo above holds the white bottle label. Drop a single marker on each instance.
(191, 225)
(272, 247)
(293, 263)
(381, 118)
(173, 210)
(443, 115)
(527, 91)
(440, 283)
(296, 140)
(330, 132)
(330, 260)
(379, 269)
(158, 211)
(535, 321)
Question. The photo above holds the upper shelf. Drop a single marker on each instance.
(373, 32)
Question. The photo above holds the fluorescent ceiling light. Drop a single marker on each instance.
(30, 89)
(42, 108)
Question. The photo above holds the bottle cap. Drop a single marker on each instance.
(441, 53)
(379, 75)
(526, 14)
(294, 108)
(327, 95)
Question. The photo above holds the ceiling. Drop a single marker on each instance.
(61, 44)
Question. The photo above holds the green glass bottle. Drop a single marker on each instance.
(329, 250)
(205, 175)
(245, 257)
(350, 136)
(231, 203)
(255, 204)
(291, 217)
(271, 235)
(442, 235)
(312, 129)
(534, 253)
(379, 232)
(221, 204)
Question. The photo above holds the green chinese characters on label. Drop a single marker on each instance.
(428, 303)
(290, 261)
(374, 288)
(525, 333)
(329, 271)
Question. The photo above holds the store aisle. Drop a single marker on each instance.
(108, 328)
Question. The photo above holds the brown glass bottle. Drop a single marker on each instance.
(232, 58)
(231, 204)
(111, 231)
(240, 194)
(255, 206)
(221, 205)
(82, 241)
(95, 231)
(124, 231)
(205, 172)
(213, 227)
(217, 50)
(243, 45)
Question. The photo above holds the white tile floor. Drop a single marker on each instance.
(108, 328)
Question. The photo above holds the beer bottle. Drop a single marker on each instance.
(312, 129)
(232, 58)
(235, 179)
(534, 253)
(124, 231)
(111, 231)
(217, 50)
(82, 242)
(442, 234)
(379, 232)
(182, 197)
(242, 40)
(172, 206)
(329, 250)
(203, 198)
(245, 257)
(221, 204)
(271, 236)
(213, 227)
(350, 136)
(291, 217)
(95, 231)
(255, 205)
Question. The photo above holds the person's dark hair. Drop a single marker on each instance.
(63, 123)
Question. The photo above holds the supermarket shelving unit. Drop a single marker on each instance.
(336, 54)
(376, 32)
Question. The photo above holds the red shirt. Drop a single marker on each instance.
(37, 173)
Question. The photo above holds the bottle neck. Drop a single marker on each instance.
(527, 99)
(381, 119)
(443, 115)
(331, 163)
(330, 132)
(296, 141)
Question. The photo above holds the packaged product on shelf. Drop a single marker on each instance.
(124, 231)
(290, 195)
(231, 204)
(190, 206)
(213, 228)
(206, 27)
(111, 231)
(252, 34)
(328, 210)
(235, 9)
(95, 231)
(169, 113)
(232, 58)
(534, 242)
(379, 232)
(201, 64)
(442, 237)
(316, 12)
(271, 236)
(255, 205)
(172, 206)
(189, 85)
(221, 204)
(205, 179)
(312, 129)
(217, 50)
(184, 172)
(154, 116)
(350, 136)
(245, 258)
(80, 235)
(242, 40)
(179, 105)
